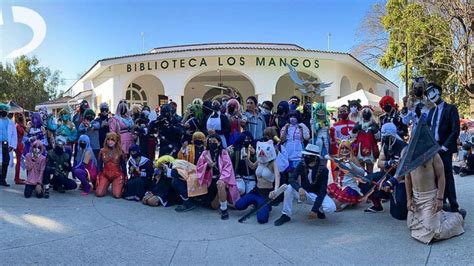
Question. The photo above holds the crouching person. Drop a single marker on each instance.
(266, 173)
(162, 192)
(111, 167)
(85, 165)
(58, 165)
(141, 171)
(311, 190)
(35, 164)
(215, 170)
(425, 190)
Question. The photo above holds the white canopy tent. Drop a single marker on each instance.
(365, 97)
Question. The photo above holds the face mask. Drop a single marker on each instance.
(82, 145)
(36, 150)
(58, 149)
(246, 143)
(434, 95)
(366, 115)
(280, 111)
(213, 146)
(418, 92)
(293, 106)
(198, 142)
(387, 108)
(110, 143)
(293, 120)
(135, 155)
(343, 116)
(308, 160)
(146, 113)
(104, 110)
(65, 117)
(3, 113)
(89, 118)
(123, 111)
(265, 111)
(354, 109)
(216, 107)
(230, 110)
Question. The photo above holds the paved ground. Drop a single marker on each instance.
(71, 229)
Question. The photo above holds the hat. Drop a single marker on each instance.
(312, 150)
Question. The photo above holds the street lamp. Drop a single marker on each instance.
(405, 46)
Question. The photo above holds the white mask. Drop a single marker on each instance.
(354, 109)
(433, 95)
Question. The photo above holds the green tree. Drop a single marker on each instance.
(28, 83)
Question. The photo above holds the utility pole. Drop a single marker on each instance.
(329, 41)
(143, 41)
(405, 45)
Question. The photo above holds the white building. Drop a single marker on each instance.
(180, 72)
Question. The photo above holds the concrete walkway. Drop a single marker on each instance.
(71, 229)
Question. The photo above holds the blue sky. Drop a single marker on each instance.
(80, 32)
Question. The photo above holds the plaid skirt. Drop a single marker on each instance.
(346, 195)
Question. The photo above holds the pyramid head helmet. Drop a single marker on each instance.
(421, 148)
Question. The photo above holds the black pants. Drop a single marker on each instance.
(165, 191)
(181, 187)
(29, 191)
(58, 180)
(450, 189)
(5, 161)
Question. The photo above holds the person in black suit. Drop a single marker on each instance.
(444, 125)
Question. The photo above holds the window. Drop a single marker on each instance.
(135, 95)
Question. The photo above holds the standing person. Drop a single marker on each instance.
(20, 132)
(8, 139)
(425, 193)
(79, 115)
(58, 165)
(243, 155)
(35, 163)
(214, 169)
(122, 124)
(308, 183)
(443, 121)
(90, 127)
(281, 116)
(194, 119)
(68, 130)
(416, 105)
(218, 123)
(341, 130)
(253, 120)
(267, 113)
(170, 133)
(367, 134)
(321, 126)
(235, 117)
(85, 165)
(103, 120)
(355, 107)
(391, 115)
(293, 136)
(112, 169)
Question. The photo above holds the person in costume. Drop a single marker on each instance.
(293, 136)
(34, 131)
(281, 116)
(79, 115)
(345, 191)
(417, 105)
(112, 169)
(294, 102)
(140, 171)
(388, 105)
(443, 121)
(306, 110)
(267, 112)
(321, 126)
(85, 165)
(50, 122)
(8, 141)
(169, 132)
(91, 127)
(191, 152)
(162, 192)
(67, 130)
(425, 194)
(214, 169)
(235, 118)
(103, 120)
(392, 146)
(176, 119)
(20, 132)
(122, 124)
(35, 163)
(243, 154)
(267, 174)
(58, 166)
(341, 130)
(308, 184)
(135, 111)
(194, 119)
(367, 134)
(252, 120)
(140, 131)
(218, 123)
(355, 107)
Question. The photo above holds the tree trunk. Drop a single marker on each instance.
(471, 101)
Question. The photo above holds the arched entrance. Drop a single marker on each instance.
(285, 88)
(145, 90)
(359, 86)
(200, 86)
(345, 88)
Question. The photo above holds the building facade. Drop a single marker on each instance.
(182, 73)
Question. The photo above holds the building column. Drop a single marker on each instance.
(177, 99)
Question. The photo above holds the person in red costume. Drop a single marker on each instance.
(20, 130)
(388, 105)
(341, 130)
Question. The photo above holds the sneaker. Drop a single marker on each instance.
(374, 209)
(4, 183)
(187, 206)
(321, 215)
(46, 193)
(283, 219)
(463, 213)
(224, 214)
